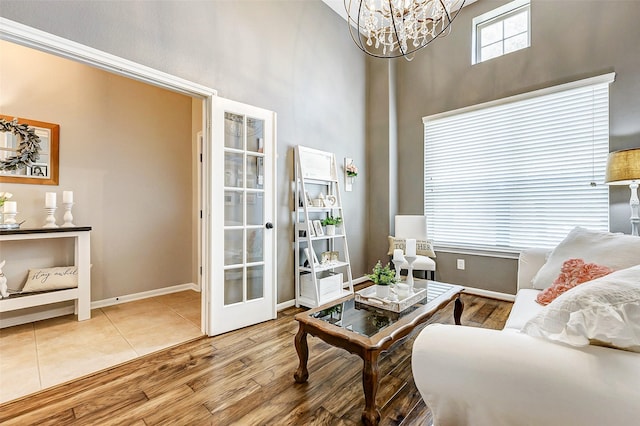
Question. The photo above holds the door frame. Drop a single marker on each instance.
(27, 36)
(217, 218)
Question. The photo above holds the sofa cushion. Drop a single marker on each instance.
(617, 251)
(524, 308)
(605, 311)
(574, 272)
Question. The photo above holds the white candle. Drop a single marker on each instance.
(411, 247)
(398, 255)
(67, 197)
(11, 207)
(50, 200)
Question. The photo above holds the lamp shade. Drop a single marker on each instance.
(623, 167)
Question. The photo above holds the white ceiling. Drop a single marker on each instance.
(338, 7)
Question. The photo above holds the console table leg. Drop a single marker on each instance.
(370, 415)
(302, 374)
(83, 263)
(457, 310)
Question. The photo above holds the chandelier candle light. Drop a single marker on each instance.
(623, 168)
(394, 28)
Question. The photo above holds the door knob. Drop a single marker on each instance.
(269, 225)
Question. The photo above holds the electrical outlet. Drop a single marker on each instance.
(461, 264)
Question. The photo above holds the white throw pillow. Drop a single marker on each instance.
(617, 251)
(605, 311)
(45, 279)
(423, 247)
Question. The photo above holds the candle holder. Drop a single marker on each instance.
(68, 217)
(410, 260)
(397, 263)
(10, 218)
(50, 220)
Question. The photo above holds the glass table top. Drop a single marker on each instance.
(369, 320)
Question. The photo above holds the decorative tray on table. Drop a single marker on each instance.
(392, 303)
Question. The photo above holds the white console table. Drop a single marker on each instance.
(81, 295)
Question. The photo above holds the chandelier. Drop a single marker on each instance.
(394, 28)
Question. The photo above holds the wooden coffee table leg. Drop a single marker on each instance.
(457, 310)
(302, 374)
(370, 415)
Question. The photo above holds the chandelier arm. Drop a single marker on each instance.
(356, 40)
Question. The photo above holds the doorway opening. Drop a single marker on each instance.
(32, 38)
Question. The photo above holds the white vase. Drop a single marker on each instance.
(382, 291)
(331, 230)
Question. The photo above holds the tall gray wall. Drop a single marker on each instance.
(570, 40)
(293, 57)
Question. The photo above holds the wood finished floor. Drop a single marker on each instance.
(243, 378)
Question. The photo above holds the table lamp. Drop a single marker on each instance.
(623, 168)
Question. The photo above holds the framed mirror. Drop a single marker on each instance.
(44, 171)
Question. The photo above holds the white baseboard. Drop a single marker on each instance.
(488, 293)
(143, 295)
(284, 305)
(361, 279)
(67, 310)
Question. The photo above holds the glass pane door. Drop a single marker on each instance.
(244, 209)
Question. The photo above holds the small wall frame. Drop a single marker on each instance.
(46, 170)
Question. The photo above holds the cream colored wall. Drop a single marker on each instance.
(126, 152)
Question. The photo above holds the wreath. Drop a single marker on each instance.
(29, 148)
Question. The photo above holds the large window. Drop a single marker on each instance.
(519, 172)
(501, 31)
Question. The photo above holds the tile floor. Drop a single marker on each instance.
(46, 353)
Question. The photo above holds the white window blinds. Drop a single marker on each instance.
(520, 172)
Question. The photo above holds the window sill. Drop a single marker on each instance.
(509, 253)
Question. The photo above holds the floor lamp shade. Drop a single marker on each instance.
(623, 168)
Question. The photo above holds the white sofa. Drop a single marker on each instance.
(475, 376)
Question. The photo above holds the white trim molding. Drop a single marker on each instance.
(143, 295)
(31, 37)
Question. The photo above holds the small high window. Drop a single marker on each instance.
(501, 31)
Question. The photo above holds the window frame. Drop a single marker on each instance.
(499, 14)
(471, 247)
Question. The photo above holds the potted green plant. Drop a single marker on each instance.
(331, 222)
(382, 277)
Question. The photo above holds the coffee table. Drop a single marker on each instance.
(368, 331)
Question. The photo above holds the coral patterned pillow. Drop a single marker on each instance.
(572, 273)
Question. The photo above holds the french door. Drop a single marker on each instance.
(242, 212)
